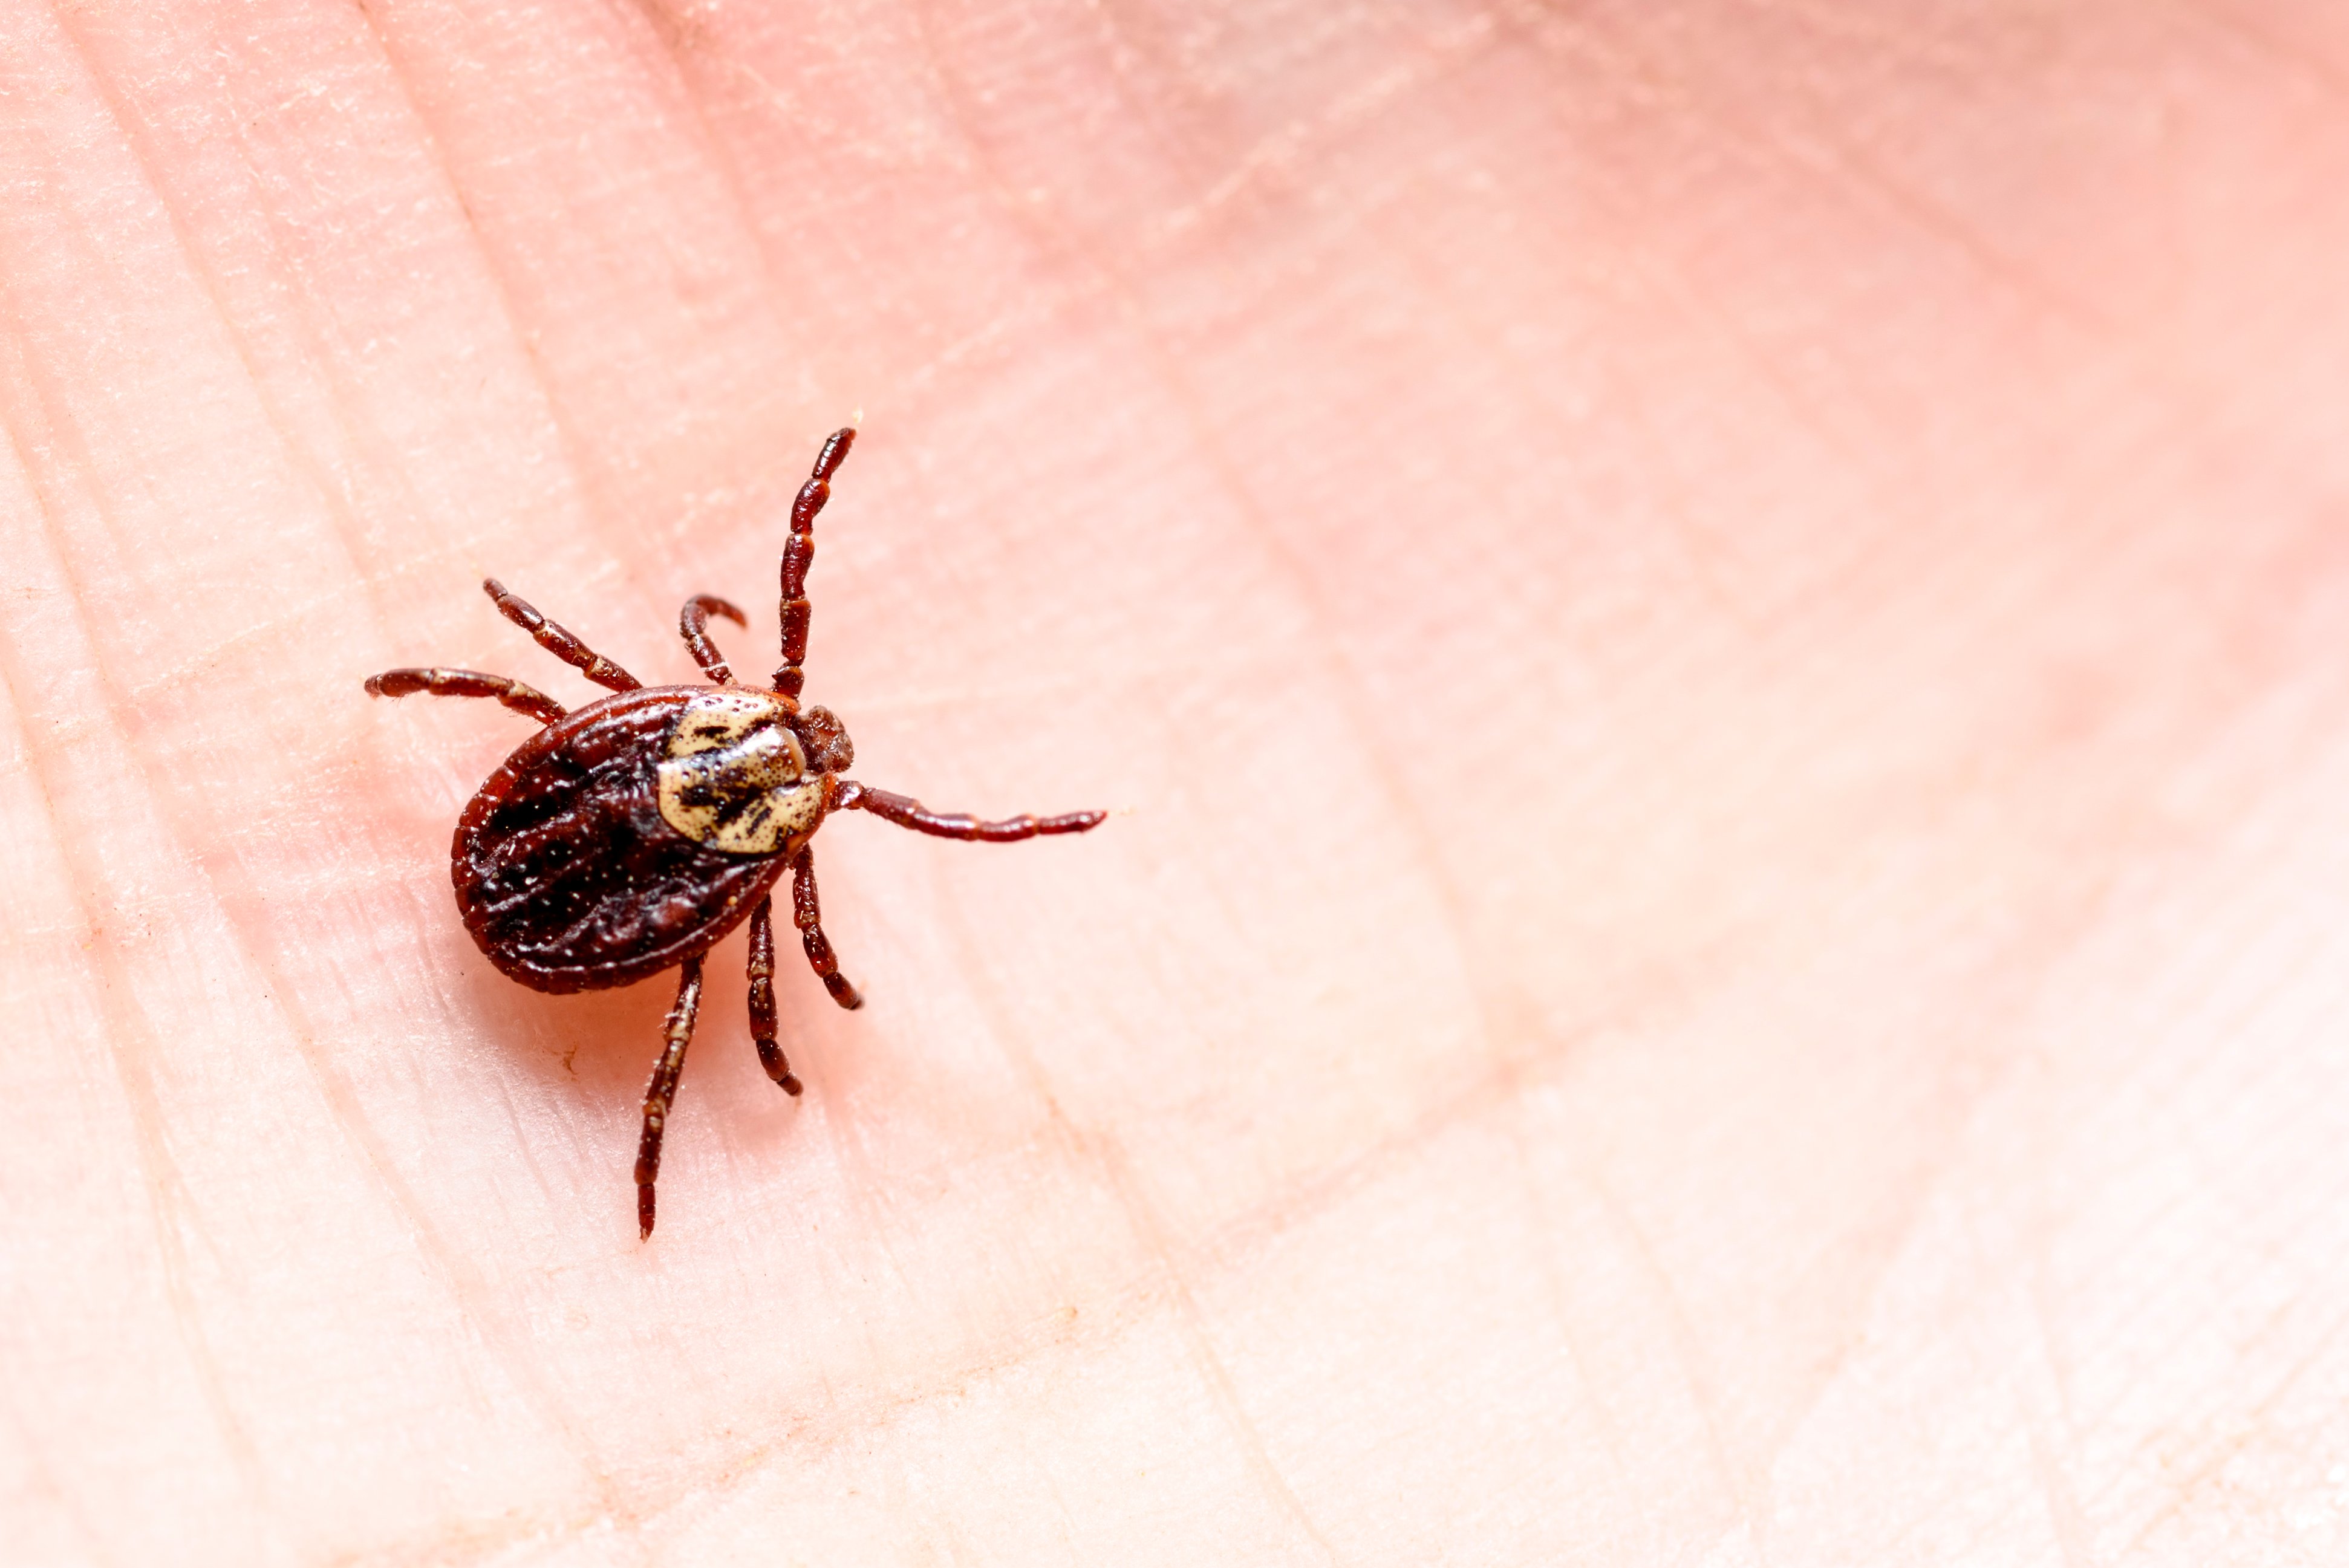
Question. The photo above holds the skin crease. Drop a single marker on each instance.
(1722, 630)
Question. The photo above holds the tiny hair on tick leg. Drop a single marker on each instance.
(628, 837)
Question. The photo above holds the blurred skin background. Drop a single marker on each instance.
(1720, 628)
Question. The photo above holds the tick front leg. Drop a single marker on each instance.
(467, 683)
(908, 812)
(557, 641)
(799, 554)
(762, 996)
(693, 625)
(661, 1092)
(810, 919)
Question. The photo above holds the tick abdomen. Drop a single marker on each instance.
(568, 874)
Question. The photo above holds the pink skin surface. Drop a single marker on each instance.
(1723, 630)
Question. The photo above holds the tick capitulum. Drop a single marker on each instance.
(629, 836)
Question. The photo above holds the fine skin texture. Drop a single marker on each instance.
(1724, 632)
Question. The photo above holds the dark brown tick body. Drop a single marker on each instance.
(630, 836)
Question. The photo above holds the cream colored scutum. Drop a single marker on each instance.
(733, 776)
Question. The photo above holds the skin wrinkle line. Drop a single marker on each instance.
(1833, 156)
(584, 489)
(43, 1476)
(1740, 1489)
(1706, 549)
(1270, 546)
(2039, 1286)
(1701, 309)
(1022, 697)
(304, 462)
(1125, 293)
(1878, 1285)
(463, 1283)
(1339, 116)
(45, 1482)
(677, 43)
(521, 1140)
(862, 1191)
(2089, 915)
(1208, 1364)
(1050, 239)
(1213, 1374)
(1702, 546)
(867, 1196)
(1842, 164)
(1141, 101)
(1107, 1154)
(2074, 1542)
(1930, 219)
(392, 469)
(2228, 19)
(340, 600)
(1340, 113)
(1545, 1249)
(347, 533)
(1224, 1253)
(2186, 1487)
(137, 1083)
(1903, 1225)
(334, 1088)
(168, 1201)
(1061, 1506)
(1030, 220)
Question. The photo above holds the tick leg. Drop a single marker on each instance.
(908, 812)
(799, 551)
(693, 625)
(558, 641)
(810, 919)
(662, 1090)
(762, 996)
(466, 683)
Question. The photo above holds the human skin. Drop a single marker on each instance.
(1717, 630)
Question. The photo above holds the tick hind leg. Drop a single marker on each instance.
(467, 683)
(762, 996)
(557, 641)
(661, 1092)
(809, 918)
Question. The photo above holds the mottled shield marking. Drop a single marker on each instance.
(734, 778)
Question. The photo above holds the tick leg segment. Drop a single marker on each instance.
(693, 625)
(558, 641)
(762, 996)
(810, 919)
(799, 551)
(467, 683)
(662, 1090)
(908, 812)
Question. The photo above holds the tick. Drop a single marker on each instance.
(629, 836)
